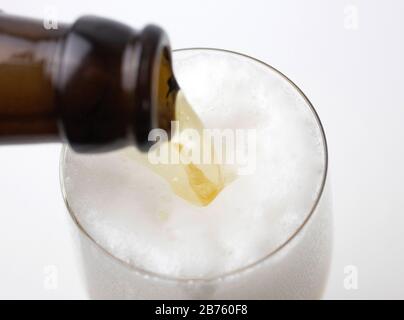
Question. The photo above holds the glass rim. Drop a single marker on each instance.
(250, 266)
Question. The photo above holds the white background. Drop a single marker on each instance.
(351, 70)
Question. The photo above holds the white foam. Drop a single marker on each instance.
(134, 214)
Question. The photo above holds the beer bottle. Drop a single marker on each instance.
(96, 84)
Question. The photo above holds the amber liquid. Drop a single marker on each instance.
(196, 182)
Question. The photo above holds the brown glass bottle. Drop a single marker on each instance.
(96, 84)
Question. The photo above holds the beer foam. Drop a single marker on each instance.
(134, 214)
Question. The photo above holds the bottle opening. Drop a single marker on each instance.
(167, 90)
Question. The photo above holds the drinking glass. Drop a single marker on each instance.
(297, 268)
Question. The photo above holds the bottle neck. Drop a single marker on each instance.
(96, 84)
(27, 110)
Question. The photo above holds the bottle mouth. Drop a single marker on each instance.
(167, 90)
(156, 87)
